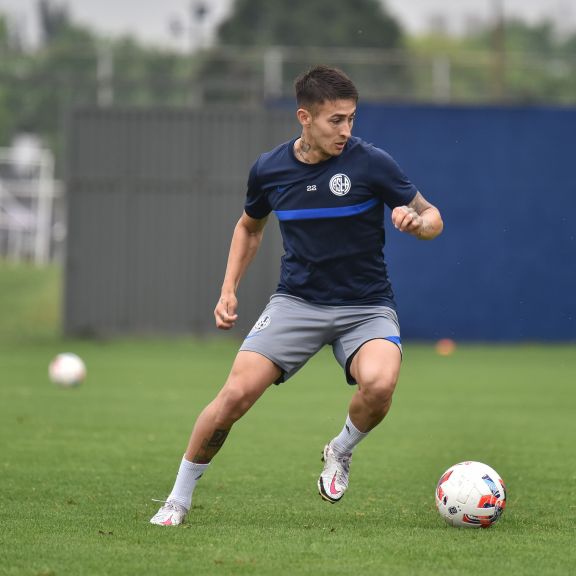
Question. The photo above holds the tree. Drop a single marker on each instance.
(536, 65)
(54, 19)
(12, 59)
(4, 113)
(305, 33)
(355, 23)
(148, 76)
(60, 75)
(39, 88)
(531, 63)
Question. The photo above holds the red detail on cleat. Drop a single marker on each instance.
(333, 486)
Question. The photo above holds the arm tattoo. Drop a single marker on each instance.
(419, 203)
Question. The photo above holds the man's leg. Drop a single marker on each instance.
(375, 368)
(250, 376)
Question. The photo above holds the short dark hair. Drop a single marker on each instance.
(322, 83)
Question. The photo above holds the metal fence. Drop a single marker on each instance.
(250, 75)
(463, 77)
(153, 198)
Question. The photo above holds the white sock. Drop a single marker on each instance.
(347, 440)
(188, 474)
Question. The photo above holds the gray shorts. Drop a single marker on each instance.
(290, 331)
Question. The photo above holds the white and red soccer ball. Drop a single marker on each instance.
(471, 494)
(67, 370)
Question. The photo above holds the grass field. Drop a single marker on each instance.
(79, 467)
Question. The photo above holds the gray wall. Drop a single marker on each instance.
(153, 197)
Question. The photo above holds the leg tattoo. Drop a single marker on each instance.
(210, 446)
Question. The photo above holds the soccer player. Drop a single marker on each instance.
(328, 190)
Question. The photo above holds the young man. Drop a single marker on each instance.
(328, 190)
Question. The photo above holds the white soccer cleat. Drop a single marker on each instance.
(333, 481)
(170, 514)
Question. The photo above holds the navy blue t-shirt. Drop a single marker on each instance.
(331, 217)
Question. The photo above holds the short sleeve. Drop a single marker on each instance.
(389, 181)
(256, 205)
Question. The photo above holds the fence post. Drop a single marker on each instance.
(44, 208)
(441, 79)
(273, 72)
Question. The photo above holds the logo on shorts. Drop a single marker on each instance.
(340, 184)
(263, 322)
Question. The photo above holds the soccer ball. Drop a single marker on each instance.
(470, 494)
(67, 370)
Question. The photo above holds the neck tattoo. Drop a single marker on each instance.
(302, 149)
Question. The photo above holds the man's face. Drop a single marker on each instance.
(328, 127)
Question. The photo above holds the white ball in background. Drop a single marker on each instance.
(67, 369)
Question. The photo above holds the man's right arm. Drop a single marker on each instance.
(246, 240)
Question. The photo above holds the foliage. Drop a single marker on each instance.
(11, 71)
(534, 64)
(39, 88)
(5, 117)
(54, 19)
(310, 27)
(145, 76)
(361, 24)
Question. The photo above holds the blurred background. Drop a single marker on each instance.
(127, 129)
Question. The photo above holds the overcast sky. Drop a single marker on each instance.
(150, 20)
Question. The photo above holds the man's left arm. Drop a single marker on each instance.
(419, 218)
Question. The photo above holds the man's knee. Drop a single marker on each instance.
(376, 368)
(235, 399)
(248, 379)
(378, 388)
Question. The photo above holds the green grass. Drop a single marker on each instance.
(29, 302)
(79, 467)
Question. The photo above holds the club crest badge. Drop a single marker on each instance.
(340, 184)
(262, 323)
